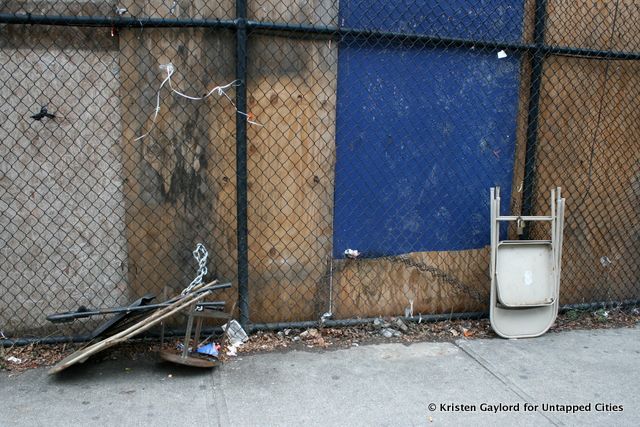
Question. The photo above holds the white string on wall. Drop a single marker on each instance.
(220, 90)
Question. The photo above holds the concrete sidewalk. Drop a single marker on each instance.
(492, 381)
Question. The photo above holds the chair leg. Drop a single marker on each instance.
(187, 335)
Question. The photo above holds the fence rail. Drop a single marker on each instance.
(335, 126)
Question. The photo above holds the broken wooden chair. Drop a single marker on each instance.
(194, 356)
(188, 299)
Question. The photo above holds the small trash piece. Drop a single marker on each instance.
(209, 349)
(605, 261)
(401, 325)
(502, 54)
(13, 359)
(601, 315)
(408, 311)
(390, 332)
(180, 347)
(232, 351)
(351, 253)
(237, 336)
(381, 323)
(310, 334)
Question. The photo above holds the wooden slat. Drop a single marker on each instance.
(180, 185)
(437, 282)
(149, 321)
(291, 164)
(589, 116)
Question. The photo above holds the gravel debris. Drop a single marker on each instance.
(380, 331)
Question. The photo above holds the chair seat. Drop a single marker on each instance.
(525, 274)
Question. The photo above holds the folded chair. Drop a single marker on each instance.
(525, 274)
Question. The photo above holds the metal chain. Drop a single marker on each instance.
(200, 254)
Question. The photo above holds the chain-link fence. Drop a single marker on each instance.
(335, 158)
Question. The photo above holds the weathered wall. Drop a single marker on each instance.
(435, 282)
(588, 144)
(62, 234)
(173, 204)
(590, 24)
(180, 176)
(60, 7)
(582, 117)
(90, 216)
(291, 161)
(180, 187)
(176, 187)
(413, 169)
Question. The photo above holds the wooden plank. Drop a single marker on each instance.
(318, 12)
(579, 113)
(222, 9)
(180, 185)
(437, 282)
(588, 145)
(291, 164)
(589, 24)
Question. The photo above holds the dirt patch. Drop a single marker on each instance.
(444, 331)
(21, 358)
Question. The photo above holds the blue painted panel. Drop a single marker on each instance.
(421, 137)
(499, 20)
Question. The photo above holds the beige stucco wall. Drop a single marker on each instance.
(62, 239)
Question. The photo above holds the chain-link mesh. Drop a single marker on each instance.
(334, 158)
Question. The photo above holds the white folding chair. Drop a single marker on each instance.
(525, 274)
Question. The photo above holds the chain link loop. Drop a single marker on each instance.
(200, 254)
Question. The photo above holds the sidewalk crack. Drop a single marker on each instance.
(217, 399)
(518, 391)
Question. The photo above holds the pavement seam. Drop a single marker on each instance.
(518, 391)
(209, 404)
(219, 400)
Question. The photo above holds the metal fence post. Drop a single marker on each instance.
(537, 58)
(241, 161)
